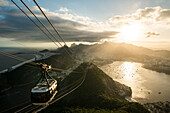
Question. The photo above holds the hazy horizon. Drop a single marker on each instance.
(154, 45)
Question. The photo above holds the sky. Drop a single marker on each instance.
(87, 20)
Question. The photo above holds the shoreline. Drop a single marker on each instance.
(35, 58)
(148, 91)
(16, 66)
(158, 68)
(129, 99)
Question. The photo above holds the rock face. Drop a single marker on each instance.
(97, 93)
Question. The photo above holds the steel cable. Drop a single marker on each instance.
(44, 26)
(35, 24)
(51, 24)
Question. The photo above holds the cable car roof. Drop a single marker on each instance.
(43, 86)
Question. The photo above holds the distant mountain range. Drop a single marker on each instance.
(122, 49)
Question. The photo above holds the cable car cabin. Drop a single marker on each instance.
(43, 93)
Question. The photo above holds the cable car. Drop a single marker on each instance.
(45, 89)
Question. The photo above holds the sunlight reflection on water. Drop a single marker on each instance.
(145, 84)
(128, 69)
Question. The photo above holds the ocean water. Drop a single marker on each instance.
(7, 62)
(29, 53)
(147, 85)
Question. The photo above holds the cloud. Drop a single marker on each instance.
(151, 15)
(164, 14)
(16, 26)
(36, 9)
(4, 3)
(149, 34)
(63, 9)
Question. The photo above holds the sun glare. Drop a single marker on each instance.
(130, 32)
(128, 69)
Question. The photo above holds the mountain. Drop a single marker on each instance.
(44, 51)
(98, 93)
(110, 49)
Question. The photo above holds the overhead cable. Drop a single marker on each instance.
(51, 24)
(44, 26)
(35, 24)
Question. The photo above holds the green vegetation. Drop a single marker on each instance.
(4, 83)
(60, 61)
(98, 93)
(23, 74)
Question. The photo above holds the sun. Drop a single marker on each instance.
(130, 32)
